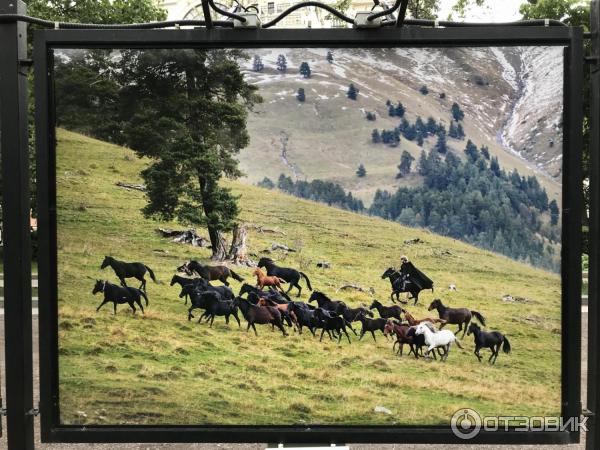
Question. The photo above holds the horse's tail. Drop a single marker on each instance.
(151, 274)
(479, 317)
(458, 344)
(143, 294)
(235, 276)
(506, 345)
(307, 280)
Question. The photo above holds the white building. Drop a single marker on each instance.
(269, 9)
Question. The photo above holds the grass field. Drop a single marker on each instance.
(162, 369)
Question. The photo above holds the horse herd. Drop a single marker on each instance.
(274, 307)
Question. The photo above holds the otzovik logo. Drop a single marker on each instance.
(466, 423)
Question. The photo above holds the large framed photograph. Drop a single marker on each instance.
(309, 235)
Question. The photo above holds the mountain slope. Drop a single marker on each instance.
(328, 136)
(162, 369)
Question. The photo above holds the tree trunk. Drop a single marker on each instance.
(238, 253)
(218, 243)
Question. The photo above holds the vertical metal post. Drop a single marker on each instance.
(15, 209)
(593, 392)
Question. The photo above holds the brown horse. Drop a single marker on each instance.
(263, 280)
(456, 316)
(284, 308)
(412, 321)
(209, 273)
(401, 332)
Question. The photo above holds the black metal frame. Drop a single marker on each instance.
(47, 40)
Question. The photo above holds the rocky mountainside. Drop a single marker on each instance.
(511, 97)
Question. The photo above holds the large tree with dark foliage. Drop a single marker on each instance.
(457, 113)
(281, 63)
(352, 93)
(405, 164)
(305, 70)
(186, 111)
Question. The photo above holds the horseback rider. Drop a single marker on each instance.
(414, 275)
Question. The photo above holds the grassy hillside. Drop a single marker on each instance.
(162, 369)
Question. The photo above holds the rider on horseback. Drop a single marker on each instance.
(414, 275)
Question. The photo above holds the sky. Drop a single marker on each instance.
(492, 11)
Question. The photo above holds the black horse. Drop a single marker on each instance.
(387, 312)
(202, 285)
(183, 281)
(456, 316)
(292, 276)
(271, 294)
(119, 295)
(491, 340)
(128, 270)
(217, 307)
(209, 273)
(335, 306)
(333, 323)
(401, 283)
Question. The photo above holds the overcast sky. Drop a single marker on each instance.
(492, 11)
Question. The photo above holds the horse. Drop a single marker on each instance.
(401, 332)
(386, 312)
(279, 297)
(413, 322)
(401, 283)
(119, 295)
(336, 306)
(182, 281)
(263, 280)
(332, 323)
(443, 339)
(217, 307)
(456, 316)
(259, 314)
(201, 285)
(491, 340)
(209, 273)
(306, 317)
(419, 341)
(372, 325)
(284, 309)
(292, 276)
(128, 270)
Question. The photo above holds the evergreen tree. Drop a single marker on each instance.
(329, 56)
(257, 65)
(452, 131)
(300, 95)
(494, 166)
(266, 183)
(305, 70)
(391, 110)
(420, 139)
(400, 110)
(371, 117)
(485, 151)
(420, 126)
(375, 136)
(471, 151)
(388, 102)
(423, 90)
(352, 93)
(441, 145)
(457, 113)
(423, 165)
(405, 164)
(554, 212)
(281, 63)
(460, 132)
(191, 146)
(432, 126)
(361, 171)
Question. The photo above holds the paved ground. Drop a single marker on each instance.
(262, 446)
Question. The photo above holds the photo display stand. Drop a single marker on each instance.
(240, 30)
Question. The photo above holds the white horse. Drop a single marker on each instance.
(441, 339)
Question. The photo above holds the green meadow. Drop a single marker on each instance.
(158, 368)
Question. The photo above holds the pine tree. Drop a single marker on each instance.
(431, 126)
(371, 117)
(361, 171)
(305, 70)
(452, 131)
(495, 166)
(457, 113)
(266, 183)
(375, 136)
(300, 95)
(460, 132)
(423, 90)
(388, 102)
(471, 151)
(257, 65)
(441, 146)
(352, 93)
(485, 152)
(420, 139)
(405, 164)
(554, 212)
(281, 64)
(391, 110)
(423, 165)
(329, 56)
(400, 110)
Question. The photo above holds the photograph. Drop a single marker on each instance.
(350, 236)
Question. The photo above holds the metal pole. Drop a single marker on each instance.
(17, 250)
(593, 393)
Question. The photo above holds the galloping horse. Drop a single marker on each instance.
(263, 280)
(456, 316)
(209, 273)
(336, 306)
(491, 340)
(413, 322)
(292, 276)
(443, 339)
(128, 270)
(401, 283)
(119, 295)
